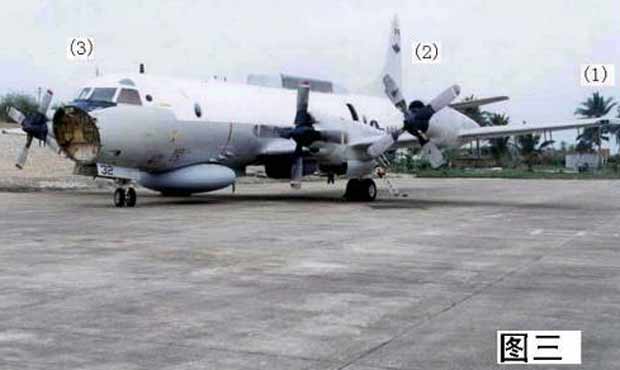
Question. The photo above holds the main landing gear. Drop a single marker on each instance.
(361, 190)
(125, 197)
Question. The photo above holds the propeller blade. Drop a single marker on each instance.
(434, 156)
(303, 95)
(297, 172)
(46, 100)
(445, 98)
(16, 115)
(393, 93)
(23, 154)
(52, 144)
(384, 143)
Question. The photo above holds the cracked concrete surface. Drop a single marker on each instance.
(271, 279)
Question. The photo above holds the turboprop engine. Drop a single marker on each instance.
(416, 121)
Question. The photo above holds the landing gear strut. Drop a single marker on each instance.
(125, 197)
(361, 190)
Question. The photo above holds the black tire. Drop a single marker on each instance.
(120, 199)
(364, 190)
(131, 197)
(352, 192)
(368, 190)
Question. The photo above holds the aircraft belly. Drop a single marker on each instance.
(161, 147)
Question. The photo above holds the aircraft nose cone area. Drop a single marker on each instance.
(77, 134)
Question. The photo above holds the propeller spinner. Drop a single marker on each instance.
(304, 134)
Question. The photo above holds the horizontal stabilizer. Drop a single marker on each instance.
(477, 103)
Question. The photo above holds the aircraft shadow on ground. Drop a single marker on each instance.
(335, 198)
(383, 202)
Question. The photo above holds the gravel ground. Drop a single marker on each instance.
(43, 170)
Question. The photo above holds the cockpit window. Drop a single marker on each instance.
(129, 96)
(84, 93)
(103, 94)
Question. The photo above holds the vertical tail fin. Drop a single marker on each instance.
(392, 64)
(393, 57)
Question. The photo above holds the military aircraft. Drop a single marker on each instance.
(180, 137)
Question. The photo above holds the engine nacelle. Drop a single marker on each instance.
(357, 168)
(198, 178)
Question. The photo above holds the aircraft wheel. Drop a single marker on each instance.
(369, 189)
(351, 192)
(120, 199)
(364, 190)
(131, 197)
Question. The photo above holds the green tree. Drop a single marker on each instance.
(475, 114)
(478, 116)
(23, 102)
(595, 106)
(530, 149)
(615, 130)
(498, 146)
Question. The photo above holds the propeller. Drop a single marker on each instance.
(33, 124)
(416, 120)
(304, 134)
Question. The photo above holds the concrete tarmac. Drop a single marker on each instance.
(272, 279)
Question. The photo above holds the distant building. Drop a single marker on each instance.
(587, 161)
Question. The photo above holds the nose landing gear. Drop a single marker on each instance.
(125, 197)
(361, 190)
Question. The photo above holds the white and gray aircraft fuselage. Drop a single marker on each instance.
(147, 126)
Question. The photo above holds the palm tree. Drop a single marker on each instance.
(530, 148)
(499, 146)
(595, 106)
(475, 113)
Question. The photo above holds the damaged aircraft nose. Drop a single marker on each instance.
(77, 134)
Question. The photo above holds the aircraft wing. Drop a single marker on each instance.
(13, 131)
(490, 132)
(404, 141)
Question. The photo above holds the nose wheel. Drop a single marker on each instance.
(361, 190)
(125, 197)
